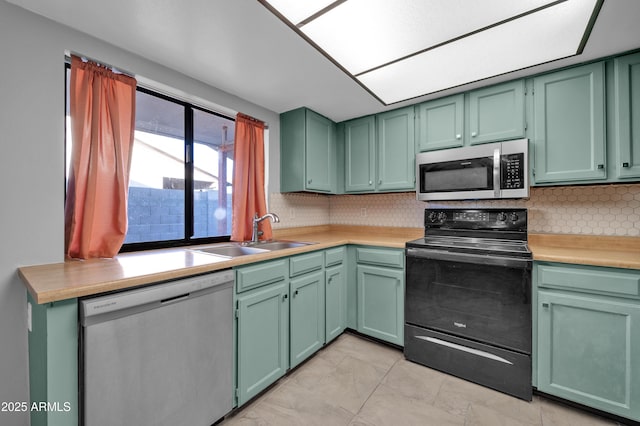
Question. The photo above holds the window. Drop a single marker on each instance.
(180, 184)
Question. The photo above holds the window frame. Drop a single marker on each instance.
(189, 219)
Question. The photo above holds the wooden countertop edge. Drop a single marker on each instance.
(322, 237)
(592, 250)
(41, 280)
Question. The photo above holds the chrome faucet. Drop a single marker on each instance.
(256, 220)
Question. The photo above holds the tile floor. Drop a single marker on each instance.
(354, 381)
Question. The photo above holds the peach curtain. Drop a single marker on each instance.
(102, 105)
(248, 179)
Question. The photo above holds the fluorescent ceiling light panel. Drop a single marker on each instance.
(364, 34)
(298, 10)
(403, 49)
(509, 47)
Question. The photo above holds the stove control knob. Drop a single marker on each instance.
(442, 216)
(513, 217)
(502, 216)
(433, 216)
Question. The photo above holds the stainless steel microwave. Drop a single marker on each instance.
(489, 171)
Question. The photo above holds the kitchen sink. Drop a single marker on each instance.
(243, 249)
(280, 245)
(234, 250)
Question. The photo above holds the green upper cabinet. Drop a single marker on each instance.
(396, 150)
(380, 152)
(359, 153)
(485, 115)
(307, 152)
(496, 113)
(569, 125)
(440, 123)
(627, 115)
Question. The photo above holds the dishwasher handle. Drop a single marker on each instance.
(158, 294)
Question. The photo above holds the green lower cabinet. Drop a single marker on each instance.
(335, 301)
(306, 318)
(262, 338)
(381, 302)
(53, 363)
(588, 351)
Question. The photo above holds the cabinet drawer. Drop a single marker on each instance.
(384, 257)
(334, 256)
(259, 274)
(590, 279)
(305, 263)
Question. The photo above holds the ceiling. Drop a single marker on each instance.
(242, 48)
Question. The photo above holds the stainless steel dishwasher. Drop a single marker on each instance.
(159, 355)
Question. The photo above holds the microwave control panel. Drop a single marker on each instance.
(512, 171)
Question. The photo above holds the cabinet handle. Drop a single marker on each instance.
(309, 181)
(329, 280)
(474, 134)
(625, 164)
(458, 136)
(380, 182)
(285, 297)
(370, 182)
(295, 293)
(545, 305)
(600, 166)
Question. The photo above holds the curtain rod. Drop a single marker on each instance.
(148, 84)
(101, 63)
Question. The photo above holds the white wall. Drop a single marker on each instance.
(32, 164)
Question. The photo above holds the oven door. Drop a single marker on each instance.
(483, 298)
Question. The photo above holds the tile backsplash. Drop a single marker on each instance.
(591, 210)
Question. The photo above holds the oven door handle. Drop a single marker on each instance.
(510, 262)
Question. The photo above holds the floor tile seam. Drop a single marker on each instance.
(380, 382)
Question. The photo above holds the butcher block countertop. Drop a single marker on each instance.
(78, 278)
(616, 252)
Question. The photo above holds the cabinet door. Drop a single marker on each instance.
(292, 152)
(441, 123)
(381, 303)
(497, 113)
(627, 116)
(396, 150)
(588, 348)
(569, 130)
(360, 162)
(306, 327)
(320, 156)
(336, 301)
(263, 338)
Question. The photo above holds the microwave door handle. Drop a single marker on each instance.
(496, 173)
